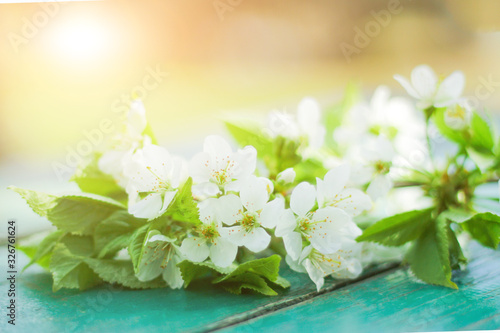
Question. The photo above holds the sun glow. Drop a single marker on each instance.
(81, 40)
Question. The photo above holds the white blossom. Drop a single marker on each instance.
(333, 192)
(429, 90)
(306, 125)
(153, 178)
(286, 176)
(250, 213)
(160, 257)
(211, 238)
(218, 168)
(343, 263)
(324, 228)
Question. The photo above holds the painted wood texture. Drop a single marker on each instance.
(395, 302)
(385, 299)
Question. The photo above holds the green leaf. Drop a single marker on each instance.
(91, 179)
(429, 256)
(115, 233)
(78, 214)
(457, 257)
(191, 271)
(451, 134)
(456, 215)
(43, 251)
(398, 229)
(248, 281)
(481, 136)
(485, 228)
(308, 170)
(265, 267)
(121, 272)
(483, 161)
(251, 135)
(70, 271)
(136, 245)
(253, 275)
(79, 245)
(149, 132)
(184, 208)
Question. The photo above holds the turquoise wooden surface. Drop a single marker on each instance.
(387, 299)
(396, 302)
(199, 308)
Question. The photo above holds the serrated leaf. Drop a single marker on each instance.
(184, 207)
(30, 251)
(70, 271)
(115, 233)
(429, 255)
(398, 229)
(449, 133)
(191, 271)
(246, 135)
(248, 281)
(282, 282)
(252, 275)
(74, 213)
(481, 136)
(456, 215)
(42, 252)
(265, 267)
(79, 245)
(91, 179)
(121, 272)
(485, 228)
(136, 245)
(457, 257)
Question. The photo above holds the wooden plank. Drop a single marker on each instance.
(199, 308)
(396, 302)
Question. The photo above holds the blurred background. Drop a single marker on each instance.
(67, 66)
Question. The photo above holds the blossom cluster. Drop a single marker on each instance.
(329, 190)
(239, 209)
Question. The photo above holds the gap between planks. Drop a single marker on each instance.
(289, 302)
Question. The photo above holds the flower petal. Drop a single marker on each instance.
(303, 198)
(424, 81)
(216, 146)
(293, 244)
(223, 252)
(271, 213)
(229, 209)
(294, 264)
(379, 187)
(334, 181)
(286, 224)
(308, 114)
(254, 194)
(256, 240)
(169, 196)
(246, 160)
(199, 167)
(450, 89)
(407, 86)
(195, 249)
(148, 207)
(315, 274)
(172, 274)
(352, 201)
